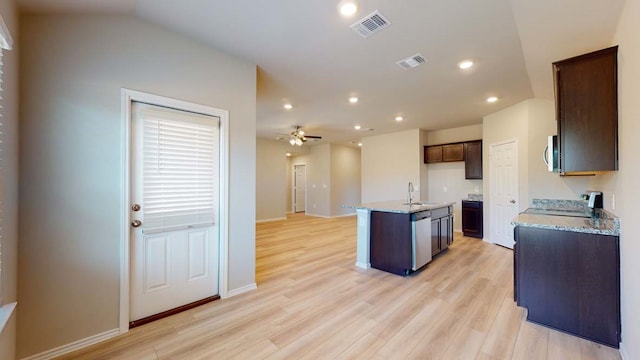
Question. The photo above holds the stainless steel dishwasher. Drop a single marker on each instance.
(420, 239)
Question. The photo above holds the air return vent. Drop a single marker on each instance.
(370, 24)
(412, 61)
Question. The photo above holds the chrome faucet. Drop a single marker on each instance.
(410, 190)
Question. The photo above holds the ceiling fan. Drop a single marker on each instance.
(298, 137)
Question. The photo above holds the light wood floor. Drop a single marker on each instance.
(312, 302)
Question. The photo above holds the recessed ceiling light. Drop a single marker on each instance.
(357, 127)
(348, 8)
(353, 99)
(465, 64)
(288, 154)
(359, 144)
(399, 118)
(492, 99)
(288, 106)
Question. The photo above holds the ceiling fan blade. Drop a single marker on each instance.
(313, 137)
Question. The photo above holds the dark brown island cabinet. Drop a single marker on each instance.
(472, 218)
(441, 229)
(569, 281)
(390, 238)
(586, 89)
(470, 152)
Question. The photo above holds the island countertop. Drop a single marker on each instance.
(398, 206)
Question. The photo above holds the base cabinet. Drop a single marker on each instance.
(390, 240)
(472, 218)
(441, 229)
(569, 281)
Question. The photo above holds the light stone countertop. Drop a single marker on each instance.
(601, 226)
(396, 206)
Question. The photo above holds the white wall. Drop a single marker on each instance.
(542, 183)
(530, 122)
(9, 179)
(345, 178)
(271, 179)
(389, 162)
(318, 168)
(451, 175)
(624, 183)
(71, 72)
(508, 124)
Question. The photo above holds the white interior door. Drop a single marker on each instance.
(503, 164)
(300, 187)
(174, 210)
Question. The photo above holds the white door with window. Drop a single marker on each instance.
(503, 183)
(299, 187)
(174, 209)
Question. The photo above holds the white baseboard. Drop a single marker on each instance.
(274, 219)
(76, 345)
(241, 290)
(623, 352)
(330, 217)
(363, 265)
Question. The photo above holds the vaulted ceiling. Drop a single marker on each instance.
(307, 55)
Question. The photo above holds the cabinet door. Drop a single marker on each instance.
(433, 154)
(446, 232)
(435, 237)
(473, 160)
(390, 242)
(453, 152)
(587, 105)
(570, 281)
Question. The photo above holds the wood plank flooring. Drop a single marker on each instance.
(313, 303)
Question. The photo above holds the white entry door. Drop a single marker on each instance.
(299, 187)
(174, 209)
(503, 164)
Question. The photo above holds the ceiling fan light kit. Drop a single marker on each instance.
(298, 137)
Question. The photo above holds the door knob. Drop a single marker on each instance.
(512, 201)
(135, 207)
(136, 223)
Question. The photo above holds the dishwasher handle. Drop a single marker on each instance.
(421, 215)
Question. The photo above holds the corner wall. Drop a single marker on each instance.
(72, 70)
(9, 180)
(624, 183)
(345, 179)
(271, 179)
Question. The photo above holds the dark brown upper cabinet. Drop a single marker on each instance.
(586, 90)
(470, 152)
(453, 152)
(473, 160)
(433, 154)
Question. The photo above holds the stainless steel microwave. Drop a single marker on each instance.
(551, 154)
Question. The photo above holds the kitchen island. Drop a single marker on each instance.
(400, 238)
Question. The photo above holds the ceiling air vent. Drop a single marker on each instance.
(370, 24)
(412, 61)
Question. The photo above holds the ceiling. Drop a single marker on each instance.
(308, 55)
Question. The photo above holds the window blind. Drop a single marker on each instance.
(180, 169)
(6, 43)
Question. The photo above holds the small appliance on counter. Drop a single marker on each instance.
(595, 200)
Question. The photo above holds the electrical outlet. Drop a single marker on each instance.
(445, 189)
(476, 189)
(613, 201)
(314, 206)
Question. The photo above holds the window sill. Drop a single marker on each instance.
(5, 314)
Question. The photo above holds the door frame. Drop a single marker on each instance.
(127, 97)
(491, 178)
(293, 187)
